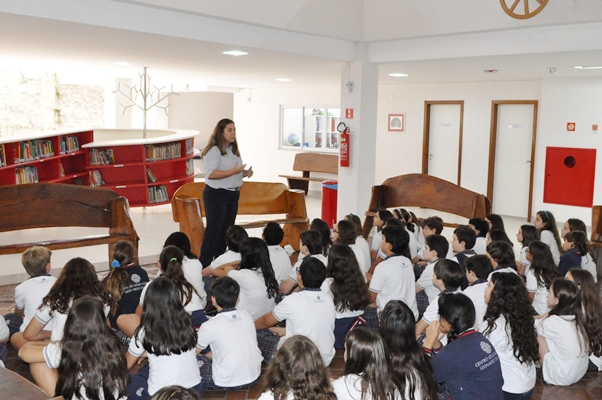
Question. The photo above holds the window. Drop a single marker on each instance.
(309, 128)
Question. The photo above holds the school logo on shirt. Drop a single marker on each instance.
(485, 347)
(135, 278)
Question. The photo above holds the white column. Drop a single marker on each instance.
(356, 181)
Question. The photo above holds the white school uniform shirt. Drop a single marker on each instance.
(359, 256)
(58, 320)
(29, 296)
(588, 264)
(431, 314)
(425, 282)
(518, 378)
(523, 259)
(393, 279)
(173, 369)
(195, 303)
(540, 300)
(281, 262)
(228, 257)
(566, 363)
(236, 358)
(193, 272)
(268, 395)
(253, 292)
(365, 247)
(548, 238)
(4, 331)
(412, 244)
(503, 270)
(420, 240)
(480, 245)
(52, 356)
(339, 314)
(349, 387)
(376, 240)
(295, 270)
(309, 313)
(476, 293)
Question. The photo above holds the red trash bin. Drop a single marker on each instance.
(329, 202)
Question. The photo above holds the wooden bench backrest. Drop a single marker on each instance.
(420, 190)
(316, 162)
(42, 205)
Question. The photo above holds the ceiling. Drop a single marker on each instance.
(181, 41)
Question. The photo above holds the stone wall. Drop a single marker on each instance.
(34, 102)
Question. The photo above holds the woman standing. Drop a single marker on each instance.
(224, 172)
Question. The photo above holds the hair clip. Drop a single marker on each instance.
(173, 259)
(115, 264)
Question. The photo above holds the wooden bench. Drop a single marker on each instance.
(256, 198)
(420, 190)
(51, 205)
(312, 162)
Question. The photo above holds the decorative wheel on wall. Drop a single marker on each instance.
(523, 9)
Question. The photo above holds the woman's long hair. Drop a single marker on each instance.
(409, 364)
(92, 362)
(550, 225)
(255, 255)
(170, 261)
(347, 232)
(367, 357)
(569, 303)
(592, 308)
(321, 226)
(123, 253)
(217, 139)
(542, 265)
(168, 328)
(77, 279)
(529, 233)
(297, 367)
(349, 288)
(510, 299)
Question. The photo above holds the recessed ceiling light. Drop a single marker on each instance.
(397, 75)
(595, 67)
(283, 79)
(235, 53)
(490, 71)
(122, 63)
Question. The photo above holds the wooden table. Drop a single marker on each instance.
(14, 386)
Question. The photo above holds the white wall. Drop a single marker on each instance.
(199, 111)
(257, 117)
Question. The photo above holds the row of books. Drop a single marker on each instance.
(102, 156)
(157, 194)
(26, 175)
(189, 167)
(69, 144)
(2, 156)
(30, 150)
(163, 152)
(95, 178)
(189, 147)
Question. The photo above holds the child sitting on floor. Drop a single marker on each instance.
(310, 245)
(281, 262)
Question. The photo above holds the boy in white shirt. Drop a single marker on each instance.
(310, 245)
(478, 269)
(309, 312)
(447, 278)
(29, 294)
(393, 278)
(432, 226)
(462, 244)
(235, 360)
(435, 248)
(480, 227)
(281, 262)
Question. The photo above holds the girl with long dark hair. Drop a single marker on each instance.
(367, 375)
(411, 368)
(347, 286)
(255, 275)
(548, 233)
(540, 276)
(344, 232)
(167, 335)
(87, 363)
(508, 324)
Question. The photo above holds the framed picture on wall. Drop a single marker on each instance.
(397, 122)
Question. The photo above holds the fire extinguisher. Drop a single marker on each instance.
(344, 148)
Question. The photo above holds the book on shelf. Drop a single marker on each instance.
(189, 147)
(189, 167)
(95, 178)
(150, 175)
(163, 152)
(61, 170)
(26, 175)
(157, 194)
(69, 144)
(102, 157)
(2, 156)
